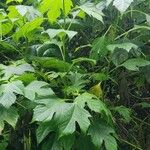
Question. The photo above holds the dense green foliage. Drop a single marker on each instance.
(74, 74)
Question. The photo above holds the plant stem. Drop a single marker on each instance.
(138, 148)
(64, 13)
(1, 31)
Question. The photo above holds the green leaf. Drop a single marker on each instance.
(84, 59)
(146, 71)
(37, 88)
(26, 78)
(134, 64)
(60, 32)
(9, 71)
(108, 2)
(65, 115)
(101, 133)
(122, 5)
(93, 103)
(67, 141)
(88, 145)
(51, 49)
(52, 63)
(28, 11)
(145, 105)
(99, 48)
(75, 85)
(119, 56)
(124, 112)
(8, 91)
(75, 114)
(100, 76)
(43, 130)
(93, 10)
(136, 27)
(148, 18)
(125, 46)
(9, 115)
(54, 8)
(27, 28)
(9, 1)
(48, 108)
(6, 27)
(7, 47)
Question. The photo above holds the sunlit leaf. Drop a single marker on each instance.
(122, 5)
(8, 92)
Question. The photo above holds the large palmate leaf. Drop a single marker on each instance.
(101, 133)
(9, 115)
(122, 5)
(37, 88)
(93, 103)
(135, 63)
(51, 106)
(93, 10)
(9, 71)
(65, 115)
(54, 8)
(8, 91)
(75, 114)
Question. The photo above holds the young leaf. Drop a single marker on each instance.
(54, 8)
(27, 28)
(124, 112)
(96, 90)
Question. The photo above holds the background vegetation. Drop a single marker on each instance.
(74, 74)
